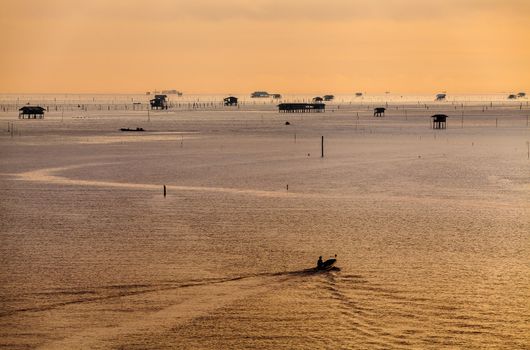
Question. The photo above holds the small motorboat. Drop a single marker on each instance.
(128, 129)
(326, 265)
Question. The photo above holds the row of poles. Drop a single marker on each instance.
(13, 129)
(204, 105)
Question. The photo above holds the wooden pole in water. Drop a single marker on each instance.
(528, 149)
(322, 148)
(164, 190)
(496, 122)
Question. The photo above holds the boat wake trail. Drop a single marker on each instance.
(107, 292)
(117, 312)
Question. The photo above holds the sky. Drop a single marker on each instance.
(281, 46)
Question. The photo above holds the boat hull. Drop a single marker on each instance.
(327, 265)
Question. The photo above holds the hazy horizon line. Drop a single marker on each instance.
(269, 91)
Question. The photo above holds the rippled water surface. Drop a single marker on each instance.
(431, 227)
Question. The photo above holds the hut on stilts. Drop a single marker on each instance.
(31, 112)
(439, 121)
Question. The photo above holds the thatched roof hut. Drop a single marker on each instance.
(31, 112)
(230, 101)
(379, 111)
(159, 102)
(439, 121)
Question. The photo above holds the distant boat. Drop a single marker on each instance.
(127, 129)
(358, 94)
(259, 94)
(521, 94)
(328, 97)
(440, 97)
(172, 92)
(512, 97)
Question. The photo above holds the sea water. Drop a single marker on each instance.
(431, 227)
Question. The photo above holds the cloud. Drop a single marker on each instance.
(262, 10)
(312, 10)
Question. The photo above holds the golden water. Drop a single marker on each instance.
(431, 229)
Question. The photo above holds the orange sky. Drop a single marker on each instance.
(285, 46)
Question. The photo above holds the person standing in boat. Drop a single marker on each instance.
(319, 262)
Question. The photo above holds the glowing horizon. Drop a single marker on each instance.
(238, 46)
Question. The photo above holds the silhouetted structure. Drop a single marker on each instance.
(512, 97)
(159, 102)
(440, 97)
(259, 94)
(230, 101)
(318, 99)
(276, 96)
(439, 121)
(128, 129)
(379, 112)
(172, 92)
(521, 94)
(358, 94)
(328, 97)
(31, 112)
(301, 107)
